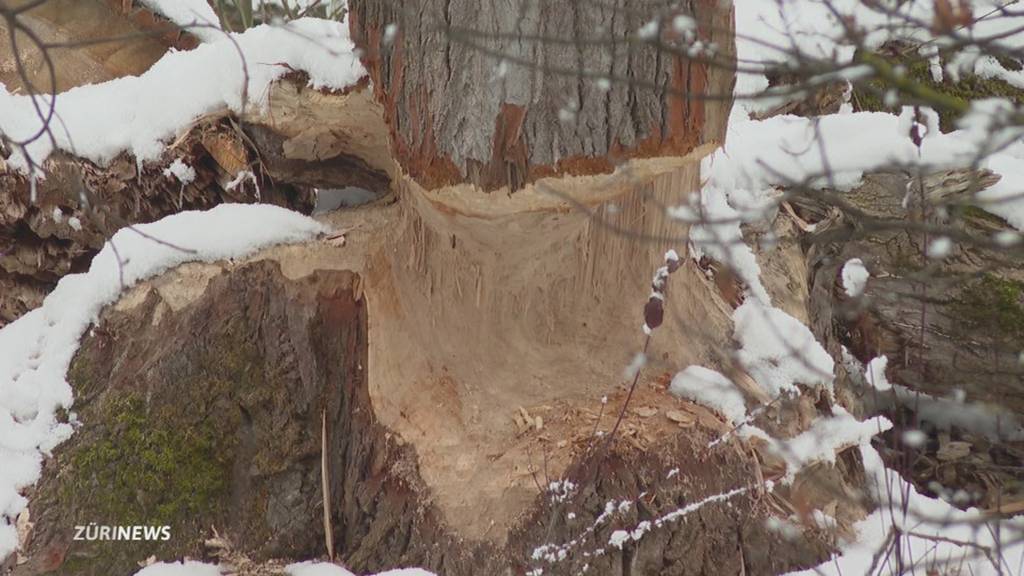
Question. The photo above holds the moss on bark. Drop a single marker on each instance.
(871, 96)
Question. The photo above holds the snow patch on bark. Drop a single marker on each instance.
(855, 277)
(196, 16)
(710, 388)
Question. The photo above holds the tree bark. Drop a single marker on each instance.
(500, 94)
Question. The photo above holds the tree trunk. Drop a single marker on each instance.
(501, 94)
(491, 329)
(948, 326)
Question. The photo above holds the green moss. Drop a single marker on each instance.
(146, 471)
(916, 84)
(978, 214)
(80, 375)
(995, 305)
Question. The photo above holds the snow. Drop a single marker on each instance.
(710, 388)
(683, 24)
(138, 114)
(183, 172)
(784, 527)
(875, 374)
(779, 351)
(823, 520)
(947, 413)
(715, 232)
(648, 31)
(242, 176)
(312, 568)
(940, 247)
(914, 438)
(552, 552)
(75, 224)
(300, 4)
(824, 439)
(196, 16)
(38, 347)
(788, 149)
(619, 538)
(187, 568)
(855, 277)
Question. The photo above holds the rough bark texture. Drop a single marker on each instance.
(949, 324)
(211, 417)
(204, 410)
(499, 94)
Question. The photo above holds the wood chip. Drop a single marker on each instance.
(227, 150)
(680, 417)
(646, 411)
(337, 240)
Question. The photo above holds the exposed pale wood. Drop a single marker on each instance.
(141, 39)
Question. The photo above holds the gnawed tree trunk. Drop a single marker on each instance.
(488, 328)
(214, 377)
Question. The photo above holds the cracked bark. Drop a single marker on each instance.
(454, 118)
